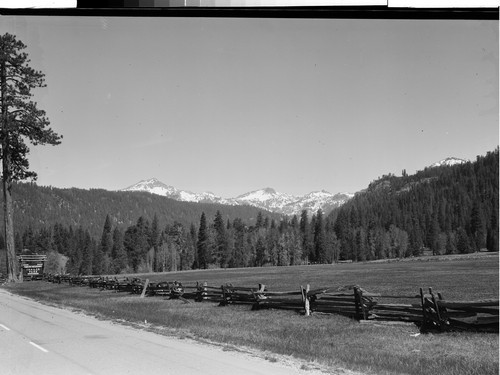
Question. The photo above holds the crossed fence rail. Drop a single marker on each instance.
(429, 310)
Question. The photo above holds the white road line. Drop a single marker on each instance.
(39, 347)
(5, 327)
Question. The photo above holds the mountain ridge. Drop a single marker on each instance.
(36, 207)
(266, 198)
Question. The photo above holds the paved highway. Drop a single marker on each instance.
(40, 339)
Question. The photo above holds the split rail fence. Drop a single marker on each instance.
(427, 309)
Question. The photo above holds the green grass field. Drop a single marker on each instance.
(326, 340)
(461, 278)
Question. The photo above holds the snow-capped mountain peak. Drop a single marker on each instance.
(263, 195)
(316, 200)
(322, 193)
(449, 161)
(266, 198)
(152, 185)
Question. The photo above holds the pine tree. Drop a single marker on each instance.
(155, 241)
(266, 222)
(451, 243)
(118, 253)
(87, 247)
(131, 246)
(305, 231)
(98, 261)
(240, 258)
(463, 243)
(176, 241)
(28, 239)
(398, 242)
(260, 253)
(433, 232)
(60, 239)
(106, 246)
(477, 227)
(492, 234)
(20, 121)
(332, 246)
(44, 241)
(361, 244)
(221, 241)
(230, 243)
(319, 239)
(76, 251)
(143, 241)
(187, 258)
(106, 237)
(272, 244)
(295, 245)
(202, 243)
(283, 247)
(260, 220)
(193, 234)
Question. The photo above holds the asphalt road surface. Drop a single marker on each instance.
(40, 339)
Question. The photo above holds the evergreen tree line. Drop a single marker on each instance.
(216, 243)
(39, 207)
(444, 210)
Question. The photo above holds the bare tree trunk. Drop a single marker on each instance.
(7, 184)
(9, 231)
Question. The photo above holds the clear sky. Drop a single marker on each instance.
(234, 105)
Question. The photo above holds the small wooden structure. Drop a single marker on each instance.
(32, 266)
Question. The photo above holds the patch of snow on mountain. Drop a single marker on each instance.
(267, 198)
(187, 196)
(314, 201)
(449, 162)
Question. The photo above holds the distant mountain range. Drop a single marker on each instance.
(266, 198)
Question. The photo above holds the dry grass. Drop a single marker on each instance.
(327, 339)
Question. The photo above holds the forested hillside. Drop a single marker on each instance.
(37, 207)
(440, 210)
(447, 209)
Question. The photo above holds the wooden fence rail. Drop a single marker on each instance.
(429, 310)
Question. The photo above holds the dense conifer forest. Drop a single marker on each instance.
(440, 210)
(38, 207)
(444, 210)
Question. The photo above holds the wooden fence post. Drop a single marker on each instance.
(144, 288)
(224, 301)
(357, 302)
(424, 315)
(199, 297)
(306, 300)
(443, 311)
(363, 308)
(436, 307)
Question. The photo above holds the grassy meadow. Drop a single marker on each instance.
(323, 341)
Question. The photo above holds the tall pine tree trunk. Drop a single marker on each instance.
(7, 184)
(9, 228)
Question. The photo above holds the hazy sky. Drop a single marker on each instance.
(234, 105)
